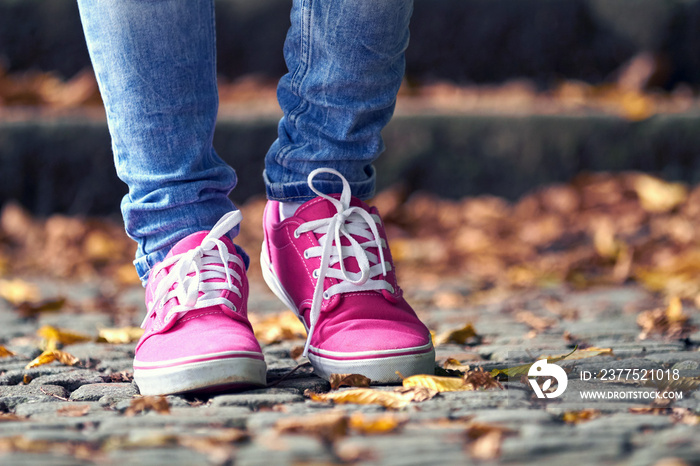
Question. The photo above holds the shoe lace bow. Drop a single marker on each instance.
(349, 223)
(198, 276)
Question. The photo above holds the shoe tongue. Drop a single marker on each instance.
(192, 241)
(319, 208)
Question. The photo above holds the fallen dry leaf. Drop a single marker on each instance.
(462, 336)
(328, 426)
(437, 383)
(31, 309)
(577, 417)
(50, 356)
(365, 396)
(9, 417)
(517, 371)
(348, 380)
(142, 404)
(382, 424)
(5, 353)
(657, 196)
(685, 416)
(537, 323)
(61, 336)
(280, 327)
(19, 291)
(479, 379)
(485, 440)
(670, 322)
(417, 393)
(121, 335)
(72, 410)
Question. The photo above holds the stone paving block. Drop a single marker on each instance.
(51, 409)
(284, 450)
(675, 357)
(257, 400)
(12, 396)
(111, 366)
(94, 392)
(315, 384)
(70, 380)
(87, 324)
(171, 456)
(101, 351)
(514, 416)
(38, 459)
(16, 376)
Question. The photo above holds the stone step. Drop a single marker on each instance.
(462, 40)
(65, 164)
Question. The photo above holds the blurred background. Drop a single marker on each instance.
(522, 132)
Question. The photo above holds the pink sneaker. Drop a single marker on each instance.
(330, 263)
(197, 335)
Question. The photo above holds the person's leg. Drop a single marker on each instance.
(346, 63)
(155, 62)
(328, 259)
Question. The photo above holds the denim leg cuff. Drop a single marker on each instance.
(299, 191)
(144, 264)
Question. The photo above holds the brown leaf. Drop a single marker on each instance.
(365, 396)
(670, 322)
(685, 416)
(9, 417)
(485, 440)
(72, 410)
(460, 336)
(576, 417)
(348, 380)
(534, 321)
(31, 309)
(158, 404)
(296, 352)
(479, 379)
(328, 426)
(375, 425)
(417, 393)
(5, 353)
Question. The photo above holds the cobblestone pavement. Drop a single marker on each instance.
(81, 414)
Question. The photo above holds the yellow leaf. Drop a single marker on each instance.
(4, 352)
(375, 425)
(348, 380)
(64, 337)
(50, 356)
(576, 417)
(18, 291)
(120, 335)
(459, 337)
(517, 371)
(441, 384)
(329, 426)
(277, 328)
(581, 354)
(365, 396)
(658, 196)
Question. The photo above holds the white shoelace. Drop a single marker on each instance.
(348, 222)
(191, 270)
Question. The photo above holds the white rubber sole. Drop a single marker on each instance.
(383, 369)
(203, 376)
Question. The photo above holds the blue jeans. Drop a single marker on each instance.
(155, 62)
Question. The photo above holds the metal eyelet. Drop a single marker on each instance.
(315, 274)
(326, 296)
(306, 254)
(297, 234)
